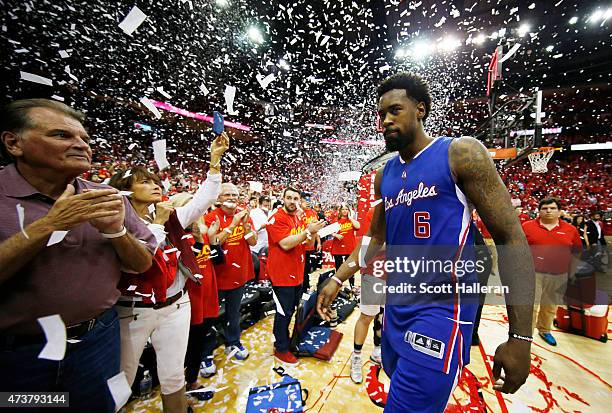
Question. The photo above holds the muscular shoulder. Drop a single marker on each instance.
(468, 156)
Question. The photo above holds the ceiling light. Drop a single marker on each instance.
(449, 44)
(596, 16)
(573, 20)
(479, 39)
(221, 3)
(522, 31)
(400, 53)
(420, 50)
(255, 35)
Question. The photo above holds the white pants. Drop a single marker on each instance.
(168, 328)
(371, 300)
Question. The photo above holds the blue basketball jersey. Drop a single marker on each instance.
(428, 236)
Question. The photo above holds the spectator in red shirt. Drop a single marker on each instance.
(555, 246)
(309, 216)
(343, 243)
(287, 237)
(202, 337)
(235, 236)
(523, 217)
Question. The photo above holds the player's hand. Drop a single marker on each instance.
(70, 210)
(315, 227)
(326, 296)
(514, 357)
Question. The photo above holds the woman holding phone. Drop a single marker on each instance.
(156, 304)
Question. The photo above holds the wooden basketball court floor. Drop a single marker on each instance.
(574, 376)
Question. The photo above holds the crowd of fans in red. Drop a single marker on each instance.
(581, 181)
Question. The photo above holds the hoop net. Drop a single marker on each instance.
(539, 160)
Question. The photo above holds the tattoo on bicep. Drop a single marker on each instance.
(483, 186)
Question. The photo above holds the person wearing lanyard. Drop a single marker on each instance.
(154, 304)
(555, 246)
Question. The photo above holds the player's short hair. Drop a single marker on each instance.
(14, 118)
(414, 85)
(550, 200)
(292, 189)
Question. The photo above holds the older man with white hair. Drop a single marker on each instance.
(235, 236)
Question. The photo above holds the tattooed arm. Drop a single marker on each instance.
(475, 173)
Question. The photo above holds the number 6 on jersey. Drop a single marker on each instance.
(421, 225)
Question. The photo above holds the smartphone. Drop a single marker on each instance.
(218, 125)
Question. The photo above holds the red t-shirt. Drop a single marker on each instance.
(331, 215)
(309, 217)
(552, 249)
(207, 293)
(238, 266)
(346, 245)
(286, 268)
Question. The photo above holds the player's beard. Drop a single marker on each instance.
(401, 141)
(290, 207)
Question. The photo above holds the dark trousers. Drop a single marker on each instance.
(83, 372)
(289, 298)
(255, 258)
(202, 340)
(309, 266)
(232, 314)
(483, 279)
(339, 260)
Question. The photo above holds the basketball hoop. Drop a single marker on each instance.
(539, 159)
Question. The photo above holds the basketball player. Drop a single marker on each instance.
(424, 193)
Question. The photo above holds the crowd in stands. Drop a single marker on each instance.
(582, 181)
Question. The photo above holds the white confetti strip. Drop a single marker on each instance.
(159, 154)
(21, 218)
(31, 77)
(230, 94)
(55, 333)
(56, 237)
(132, 21)
(120, 390)
(149, 105)
(279, 307)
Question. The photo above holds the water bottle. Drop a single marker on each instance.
(146, 385)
